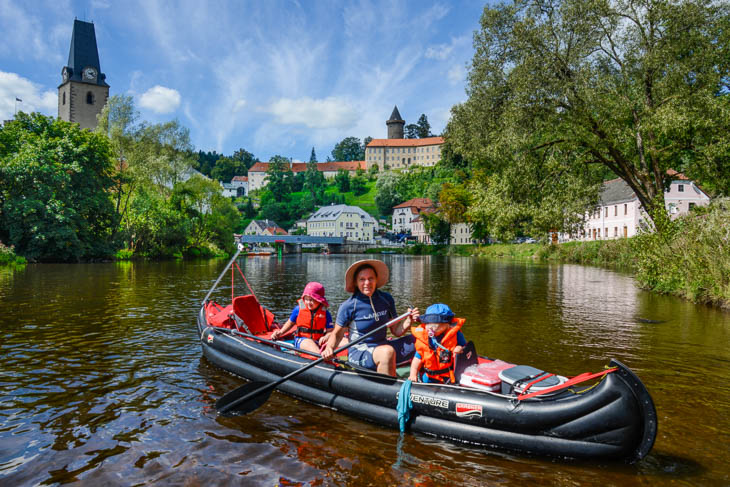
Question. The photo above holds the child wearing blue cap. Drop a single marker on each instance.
(438, 339)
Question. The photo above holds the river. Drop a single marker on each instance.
(103, 379)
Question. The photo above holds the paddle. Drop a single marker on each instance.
(251, 396)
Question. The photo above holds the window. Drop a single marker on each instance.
(626, 209)
(615, 231)
(89, 98)
(64, 97)
(605, 213)
(606, 234)
(615, 210)
(680, 188)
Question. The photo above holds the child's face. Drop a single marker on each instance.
(437, 328)
(310, 302)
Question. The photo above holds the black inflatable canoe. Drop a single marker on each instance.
(613, 419)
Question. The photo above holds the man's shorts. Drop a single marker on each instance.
(362, 353)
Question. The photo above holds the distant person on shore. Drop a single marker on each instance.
(312, 318)
(364, 311)
(438, 339)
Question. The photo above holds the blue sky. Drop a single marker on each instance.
(272, 77)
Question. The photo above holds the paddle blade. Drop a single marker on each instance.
(244, 399)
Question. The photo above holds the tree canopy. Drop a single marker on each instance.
(55, 180)
(562, 93)
(349, 149)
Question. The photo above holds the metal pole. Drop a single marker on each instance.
(240, 248)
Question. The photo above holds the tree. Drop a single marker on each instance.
(437, 227)
(348, 149)
(313, 156)
(386, 193)
(569, 89)
(55, 180)
(277, 177)
(313, 178)
(246, 158)
(454, 202)
(411, 131)
(423, 128)
(358, 184)
(342, 180)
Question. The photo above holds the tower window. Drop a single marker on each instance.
(89, 98)
(64, 97)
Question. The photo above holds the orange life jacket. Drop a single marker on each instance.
(311, 323)
(431, 359)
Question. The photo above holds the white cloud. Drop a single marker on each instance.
(440, 51)
(456, 74)
(160, 99)
(13, 86)
(330, 112)
(238, 106)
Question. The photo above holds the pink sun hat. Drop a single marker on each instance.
(315, 291)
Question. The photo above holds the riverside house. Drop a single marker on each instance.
(405, 213)
(264, 227)
(619, 213)
(351, 222)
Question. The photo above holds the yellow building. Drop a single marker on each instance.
(403, 153)
(351, 222)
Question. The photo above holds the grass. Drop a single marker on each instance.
(365, 201)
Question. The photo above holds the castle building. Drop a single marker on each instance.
(83, 92)
(395, 152)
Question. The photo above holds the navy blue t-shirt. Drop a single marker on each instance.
(362, 314)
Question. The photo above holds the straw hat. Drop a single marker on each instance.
(380, 269)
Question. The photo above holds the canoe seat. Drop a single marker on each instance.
(255, 317)
(219, 316)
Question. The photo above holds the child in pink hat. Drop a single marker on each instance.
(312, 318)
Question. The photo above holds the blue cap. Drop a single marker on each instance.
(437, 313)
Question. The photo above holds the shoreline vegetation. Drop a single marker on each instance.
(698, 269)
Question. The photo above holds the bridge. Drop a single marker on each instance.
(293, 243)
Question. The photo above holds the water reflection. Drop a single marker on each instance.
(103, 380)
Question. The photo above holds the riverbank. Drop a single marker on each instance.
(691, 260)
(8, 256)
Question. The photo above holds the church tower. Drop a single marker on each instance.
(395, 125)
(83, 92)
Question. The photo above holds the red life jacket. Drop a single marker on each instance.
(432, 365)
(311, 323)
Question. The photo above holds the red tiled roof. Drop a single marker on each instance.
(419, 204)
(677, 175)
(277, 231)
(406, 142)
(321, 166)
(240, 178)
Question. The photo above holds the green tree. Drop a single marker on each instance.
(560, 91)
(454, 202)
(245, 157)
(438, 228)
(55, 180)
(423, 129)
(278, 178)
(342, 180)
(359, 185)
(348, 149)
(313, 178)
(411, 131)
(386, 193)
(313, 156)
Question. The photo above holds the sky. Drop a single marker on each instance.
(272, 77)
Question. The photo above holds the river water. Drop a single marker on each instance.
(103, 380)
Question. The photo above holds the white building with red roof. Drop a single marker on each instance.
(257, 173)
(619, 213)
(405, 213)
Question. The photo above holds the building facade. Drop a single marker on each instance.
(403, 153)
(461, 234)
(405, 213)
(620, 215)
(351, 222)
(257, 173)
(264, 227)
(83, 91)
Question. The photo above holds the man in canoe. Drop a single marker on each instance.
(367, 309)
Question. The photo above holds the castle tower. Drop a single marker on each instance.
(83, 92)
(395, 125)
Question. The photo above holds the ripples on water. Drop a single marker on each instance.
(103, 380)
